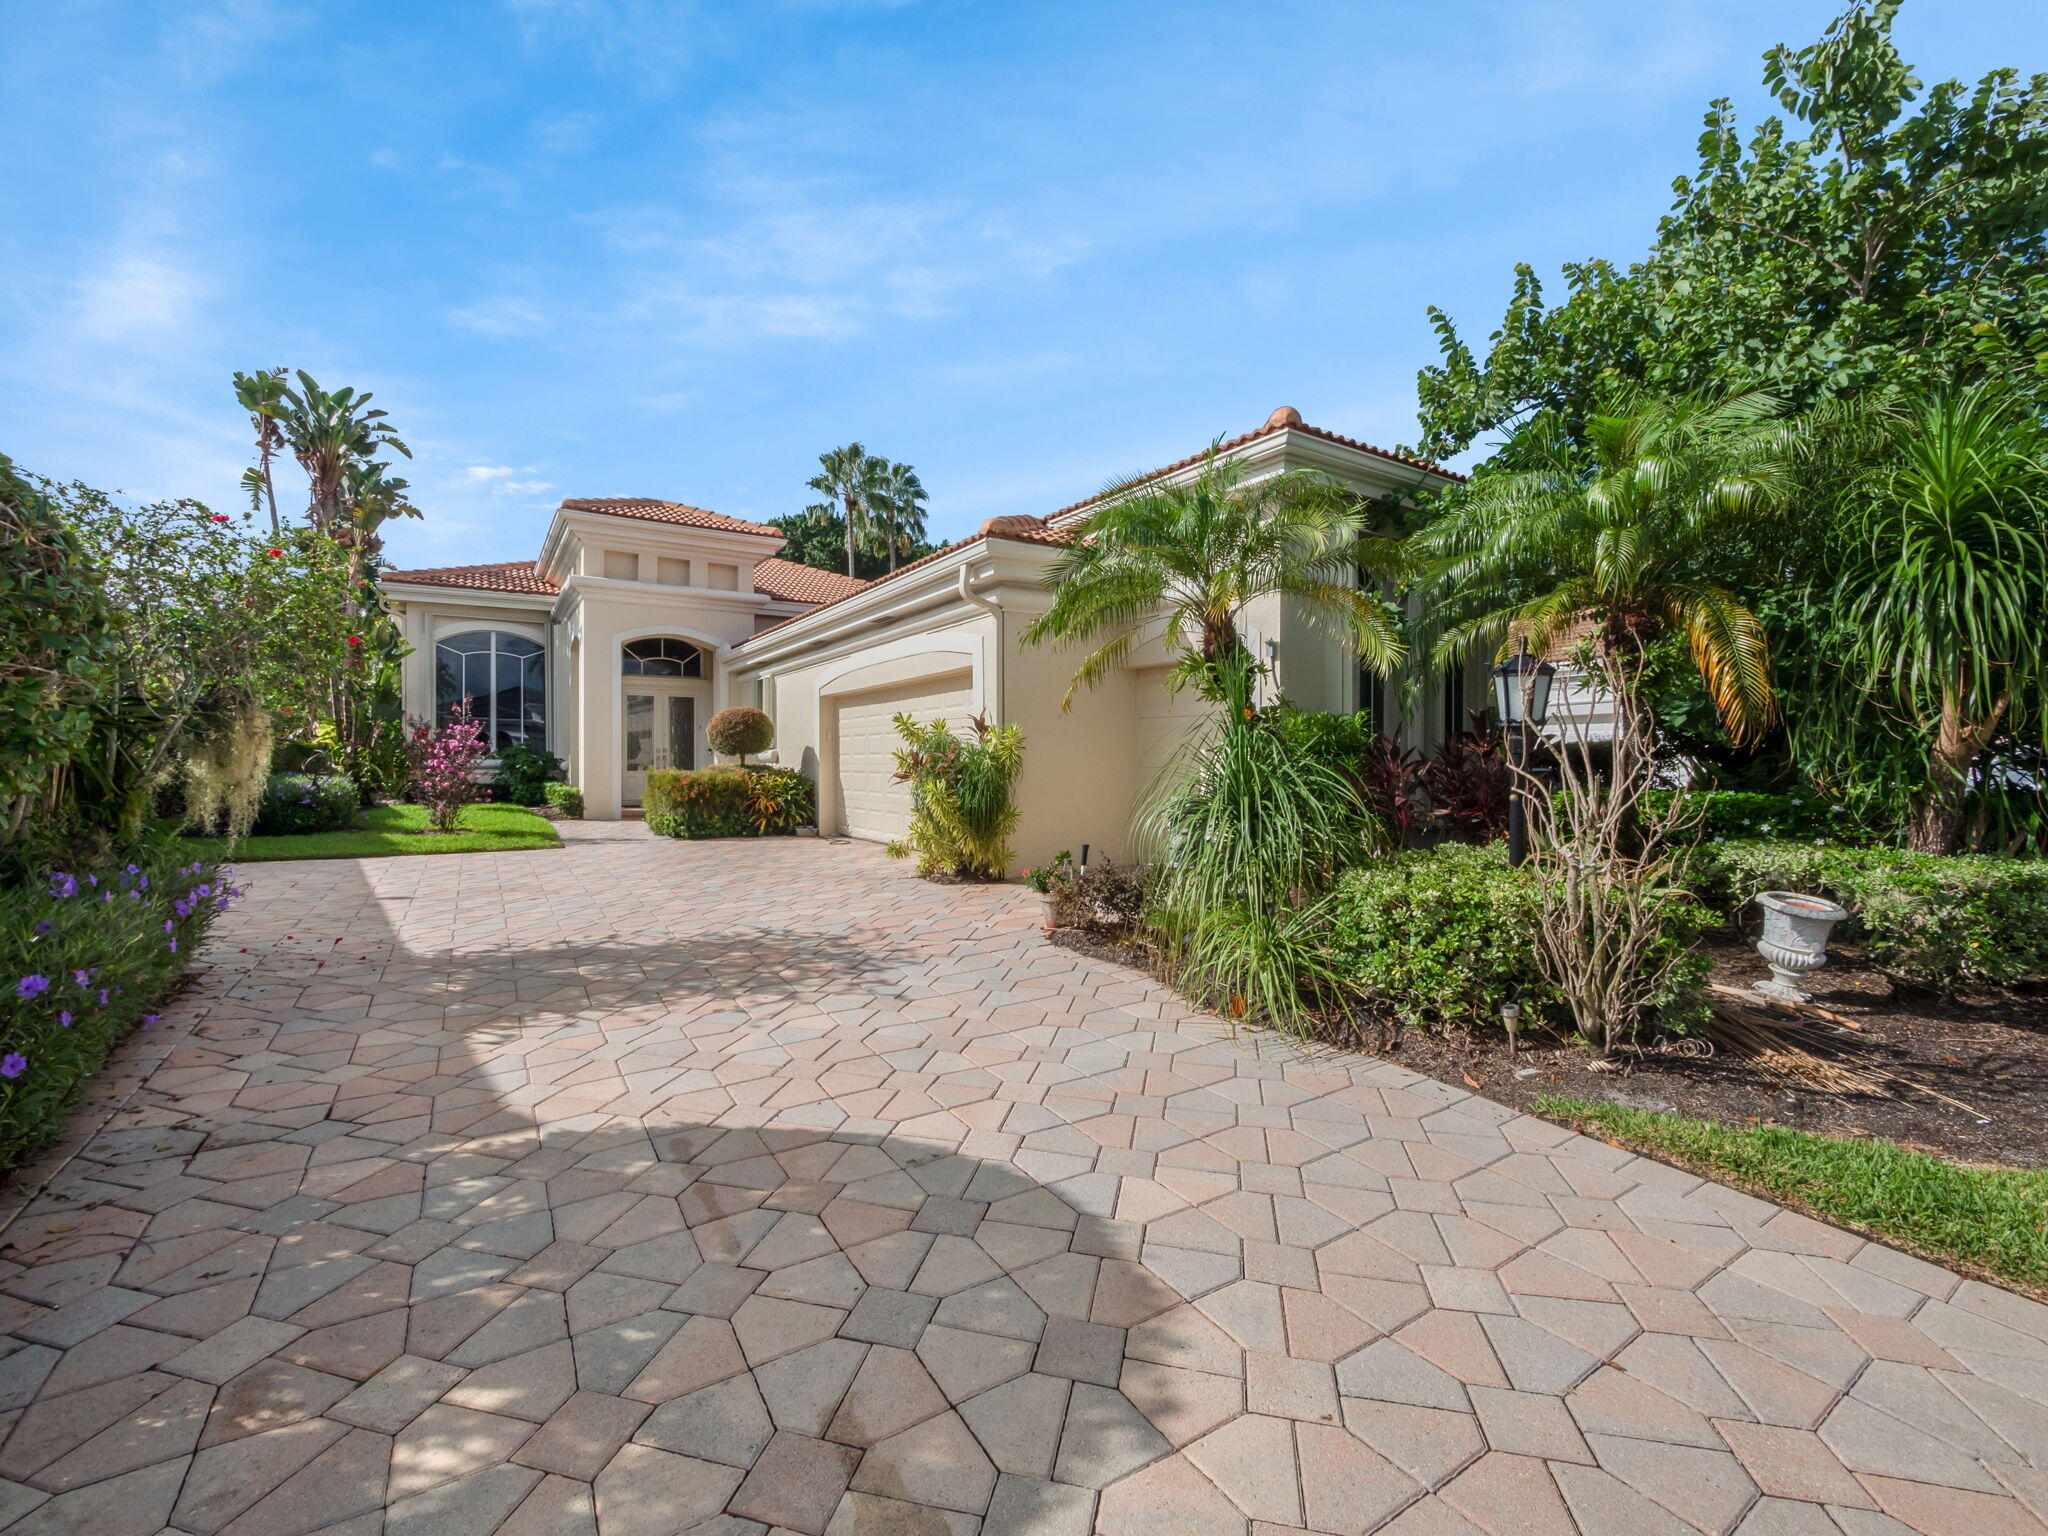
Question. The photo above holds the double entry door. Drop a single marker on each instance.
(661, 729)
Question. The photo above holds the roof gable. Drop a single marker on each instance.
(506, 576)
(675, 513)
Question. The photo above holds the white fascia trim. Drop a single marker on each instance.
(845, 623)
(605, 585)
(463, 597)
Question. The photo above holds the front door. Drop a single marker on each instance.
(661, 732)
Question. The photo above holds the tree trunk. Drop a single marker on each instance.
(1937, 821)
(848, 504)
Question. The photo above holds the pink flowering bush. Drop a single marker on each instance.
(86, 955)
(444, 760)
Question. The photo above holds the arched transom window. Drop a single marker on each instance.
(504, 678)
(662, 657)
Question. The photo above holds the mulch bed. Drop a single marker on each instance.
(1989, 1051)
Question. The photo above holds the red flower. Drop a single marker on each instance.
(275, 554)
(355, 639)
(219, 517)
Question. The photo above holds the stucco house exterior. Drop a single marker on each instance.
(641, 618)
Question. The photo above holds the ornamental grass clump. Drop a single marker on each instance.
(87, 954)
(444, 760)
(963, 804)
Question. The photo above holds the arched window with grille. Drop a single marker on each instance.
(661, 657)
(504, 678)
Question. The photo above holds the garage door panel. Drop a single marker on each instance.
(872, 804)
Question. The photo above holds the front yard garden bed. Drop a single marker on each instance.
(390, 830)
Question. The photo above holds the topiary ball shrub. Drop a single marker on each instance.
(296, 803)
(740, 732)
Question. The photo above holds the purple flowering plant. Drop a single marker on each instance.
(77, 974)
(444, 760)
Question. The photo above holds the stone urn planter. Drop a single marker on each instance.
(1795, 940)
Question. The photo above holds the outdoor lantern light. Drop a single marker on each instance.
(1522, 681)
(1521, 696)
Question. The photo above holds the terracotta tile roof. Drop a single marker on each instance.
(510, 576)
(1021, 530)
(676, 512)
(802, 583)
(1286, 419)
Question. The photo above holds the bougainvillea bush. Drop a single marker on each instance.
(445, 760)
(87, 955)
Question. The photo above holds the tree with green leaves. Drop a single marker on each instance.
(261, 394)
(844, 478)
(329, 432)
(1947, 585)
(1635, 546)
(1887, 235)
(1199, 552)
(898, 499)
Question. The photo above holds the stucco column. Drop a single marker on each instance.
(597, 727)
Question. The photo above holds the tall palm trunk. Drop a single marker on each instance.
(850, 505)
(1937, 821)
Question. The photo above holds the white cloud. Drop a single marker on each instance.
(502, 316)
(139, 297)
(503, 480)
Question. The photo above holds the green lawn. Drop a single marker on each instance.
(397, 829)
(1987, 1222)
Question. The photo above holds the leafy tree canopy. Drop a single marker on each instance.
(1885, 235)
(817, 537)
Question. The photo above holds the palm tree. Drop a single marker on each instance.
(1951, 584)
(327, 432)
(1629, 536)
(1201, 551)
(371, 497)
(899, 497)
(844, 478)
(261, 394)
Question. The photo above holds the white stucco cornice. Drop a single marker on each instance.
(745, 550)
(579, 585)
(463, 597)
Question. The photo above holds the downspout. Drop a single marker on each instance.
(991, 606)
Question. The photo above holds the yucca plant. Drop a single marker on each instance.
(963, 804)
(1627, 532)
(1951, 584)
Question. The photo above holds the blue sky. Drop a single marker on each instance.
(621, 247)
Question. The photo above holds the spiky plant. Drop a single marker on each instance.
(1626, 531)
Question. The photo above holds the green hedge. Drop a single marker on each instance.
(1440, 938)
(566, 798)
(1939, 920)
(294, 803)
(753, 801)
(1746, 814)
(85, 956)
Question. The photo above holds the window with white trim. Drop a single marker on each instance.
(504, 679)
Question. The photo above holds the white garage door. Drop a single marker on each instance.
(1165, 721)
(871, 804)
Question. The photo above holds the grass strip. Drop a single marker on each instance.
(392, 830)
(1991, 1223)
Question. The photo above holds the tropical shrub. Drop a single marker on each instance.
(740, 732)
(1105, 897)
(1938, 920)
(86, 954)
(566, 798)
(300, 802)
(962, 796)
(444, 761)
(1734, 814)
(1441, 938)
(524, 773)
(1458, 792)
(727, 802)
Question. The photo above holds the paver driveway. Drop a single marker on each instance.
(647, 1187)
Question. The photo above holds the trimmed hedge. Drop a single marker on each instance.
(1745, 814)
(566, 798)
(755, 801)
(1440, 938)
(1940, 920)
(293, 803)
(85, 956)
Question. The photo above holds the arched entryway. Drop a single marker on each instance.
(665, 698)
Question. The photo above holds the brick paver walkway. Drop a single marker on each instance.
(644, 1188)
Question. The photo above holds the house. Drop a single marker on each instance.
(641, 618)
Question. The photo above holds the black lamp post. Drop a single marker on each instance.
(1521, 697)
